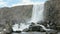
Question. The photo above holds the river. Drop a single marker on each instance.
(30, 33)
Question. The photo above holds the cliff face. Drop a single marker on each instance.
(52, 11)
(10, 16)
(15, 14)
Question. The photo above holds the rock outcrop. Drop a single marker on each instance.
(34, 28)
(17, 14)
(52, 11)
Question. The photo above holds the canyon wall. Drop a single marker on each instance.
(12, 15)
(52, 11)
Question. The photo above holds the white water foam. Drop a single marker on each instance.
(37, 13)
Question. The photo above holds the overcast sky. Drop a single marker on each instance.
(10, 3)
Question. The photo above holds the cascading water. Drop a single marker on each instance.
(37, 13)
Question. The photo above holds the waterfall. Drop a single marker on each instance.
(37, 13)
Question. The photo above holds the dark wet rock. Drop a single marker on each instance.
(17, 31)
(34, 28)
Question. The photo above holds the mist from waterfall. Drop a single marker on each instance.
(37, 13)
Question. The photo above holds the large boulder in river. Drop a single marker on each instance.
(34, 28)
